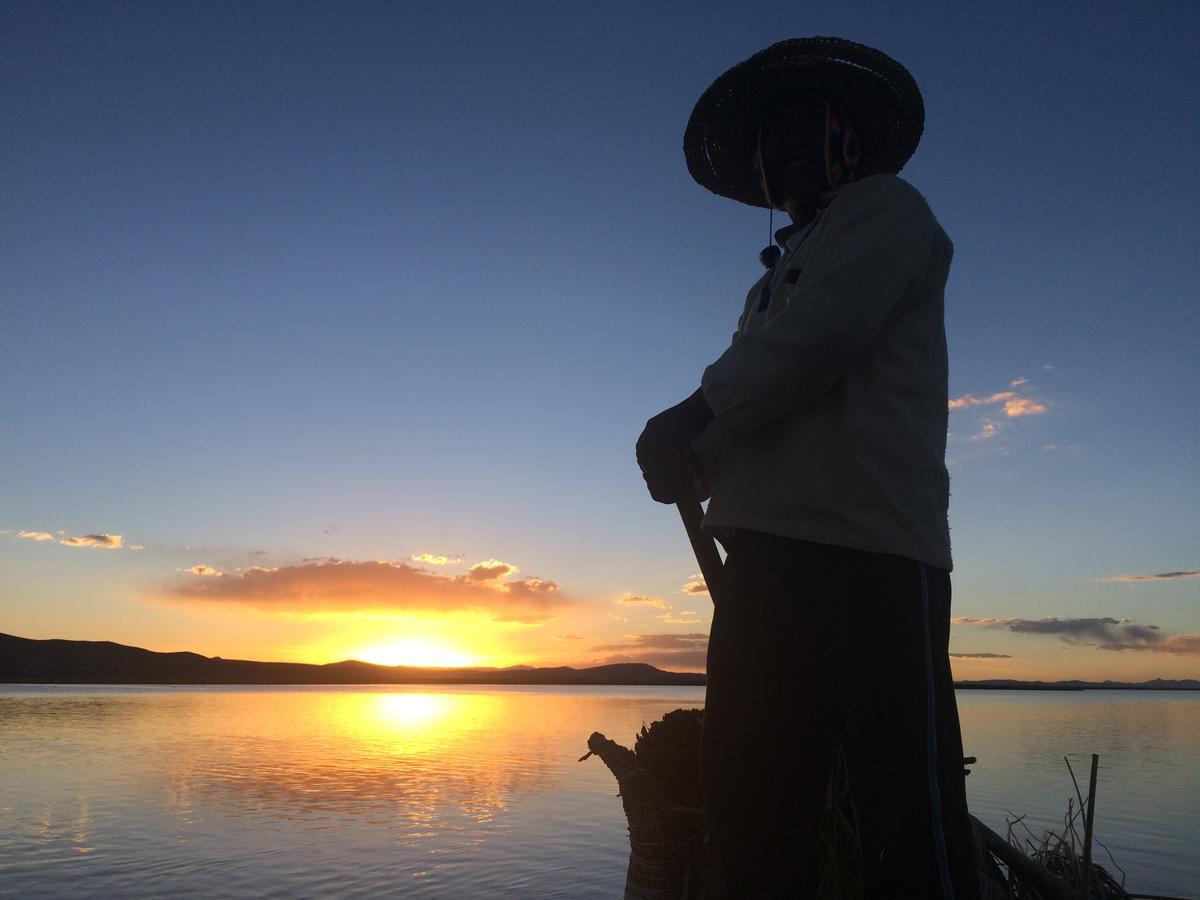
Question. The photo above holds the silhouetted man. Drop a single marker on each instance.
(822, 431)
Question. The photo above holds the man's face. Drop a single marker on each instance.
(793, 148)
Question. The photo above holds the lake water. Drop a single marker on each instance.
(476, 791)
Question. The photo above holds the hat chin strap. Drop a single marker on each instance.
(841, 147)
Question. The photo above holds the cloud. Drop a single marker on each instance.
(1102, 632)
(968, 400)
(639, 599)
(1183, 644)
(36, 535)
(530, 587)
(349, 586)
(568, 637)
(980, 656)
(109, 541)
(695, 585)
(526, 619)
(1135, 579)
(207, 571)
(1013, 404)
(660, 642)
(683, 618)
(437, 559)
(989, 429)
(1069, 629)
(490, 570)
(1023, 406)
(670, 651)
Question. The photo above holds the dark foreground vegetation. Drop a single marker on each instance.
(670, 859)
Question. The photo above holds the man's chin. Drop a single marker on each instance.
(804, 195)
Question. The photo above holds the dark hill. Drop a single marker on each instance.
(102, 662)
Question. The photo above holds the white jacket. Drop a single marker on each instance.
(830, 404)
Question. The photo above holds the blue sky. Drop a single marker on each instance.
(371, 280)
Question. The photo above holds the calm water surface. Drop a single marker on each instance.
(475, 791)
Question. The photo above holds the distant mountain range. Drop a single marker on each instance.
(1155, 684)
(102, 662)
(26, 661)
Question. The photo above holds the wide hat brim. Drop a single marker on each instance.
(878, 94)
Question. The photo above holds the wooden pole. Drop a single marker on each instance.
(703, 545)
(1048, 885)
(1087, 830)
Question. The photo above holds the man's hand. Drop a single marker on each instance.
(669, 464)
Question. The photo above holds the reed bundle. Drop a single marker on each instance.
(669, 859)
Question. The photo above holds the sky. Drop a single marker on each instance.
(326, 330)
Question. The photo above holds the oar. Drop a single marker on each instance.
(703, 545)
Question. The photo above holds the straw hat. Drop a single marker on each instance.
(879, 95)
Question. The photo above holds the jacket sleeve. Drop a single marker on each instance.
(876, 246)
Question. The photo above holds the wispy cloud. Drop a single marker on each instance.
(206, 571)
(1023, 406)
(525, 618)
(36, 535)
(108, 541)
(640, 600)
(490, 570)
(695, 585)
(670, 651)
(1136, 579)
(1102, 632)
(980, 656)
(347, 586)
(969, 400)
(987, 430)
(1011, 403)
(437, 559)
(681, 618)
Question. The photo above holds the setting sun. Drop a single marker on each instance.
(413, 652)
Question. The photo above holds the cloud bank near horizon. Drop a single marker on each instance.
(334, 585)
(1138, 579)
(1101, 632)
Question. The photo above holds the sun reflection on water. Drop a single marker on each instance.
(414, 791)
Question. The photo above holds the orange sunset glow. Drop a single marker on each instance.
(413, 652)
